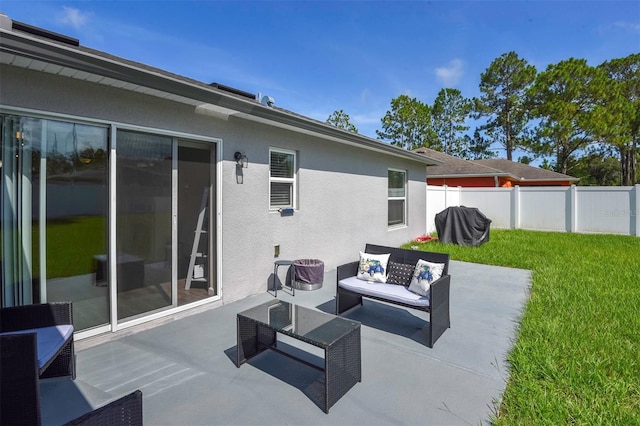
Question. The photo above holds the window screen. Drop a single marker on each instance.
(282, 179)
(397, 197)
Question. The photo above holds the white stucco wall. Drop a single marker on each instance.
(342, 190)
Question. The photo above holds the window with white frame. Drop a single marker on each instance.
(397, 197)
(282, 178)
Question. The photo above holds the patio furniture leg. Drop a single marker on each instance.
(343, 367)
(252, 339)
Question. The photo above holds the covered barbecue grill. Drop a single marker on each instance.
(465, 226)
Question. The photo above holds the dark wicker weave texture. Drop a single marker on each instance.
(343, 367)
(253, 338)
(19, 388)
(126, 411)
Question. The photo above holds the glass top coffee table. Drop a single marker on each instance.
(339, 337)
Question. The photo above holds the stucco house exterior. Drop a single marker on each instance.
(137, 193)
(495, 172)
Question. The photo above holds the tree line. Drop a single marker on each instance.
(578, 119)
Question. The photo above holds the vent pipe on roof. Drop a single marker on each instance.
(267, 101)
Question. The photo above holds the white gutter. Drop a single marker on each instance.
(165, 85)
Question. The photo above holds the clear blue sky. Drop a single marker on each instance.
(317, 57)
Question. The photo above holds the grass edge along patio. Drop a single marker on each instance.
(575, 360)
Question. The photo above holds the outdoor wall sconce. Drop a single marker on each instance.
(286, 211)
(241, 160)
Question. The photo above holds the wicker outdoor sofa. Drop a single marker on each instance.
(350, 290)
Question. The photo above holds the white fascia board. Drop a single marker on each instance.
(450, 176)
(207, 100)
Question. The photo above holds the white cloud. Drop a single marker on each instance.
(365, 96)
(73, 17)
(451, 74)
(371, 117)
(628, 26)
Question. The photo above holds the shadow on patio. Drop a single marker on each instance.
(185, 366)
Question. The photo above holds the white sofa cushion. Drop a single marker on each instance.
(49, 340)
(393, 292)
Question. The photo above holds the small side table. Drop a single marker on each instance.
(276, 265)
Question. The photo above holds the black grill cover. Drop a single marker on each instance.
(465, 226)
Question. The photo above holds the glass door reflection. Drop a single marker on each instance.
(196, 230)
(53, 220)
(143, 223)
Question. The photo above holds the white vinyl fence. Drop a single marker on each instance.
(583, 209)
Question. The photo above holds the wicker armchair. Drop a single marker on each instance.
(36, 341)
(126, 411)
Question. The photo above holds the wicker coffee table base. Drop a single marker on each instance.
(342, 358)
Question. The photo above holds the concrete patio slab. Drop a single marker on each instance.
(185, 366)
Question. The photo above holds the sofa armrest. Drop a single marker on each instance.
(35, 316)
(345, 299)
(439, 308)
(347, 270)
(439, 291)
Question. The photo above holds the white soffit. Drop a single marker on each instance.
(36, 65)
(199, 107)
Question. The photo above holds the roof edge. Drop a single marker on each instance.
(120, 69)
(468, 175)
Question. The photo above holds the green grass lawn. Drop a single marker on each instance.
(71, 245)
(576, 359)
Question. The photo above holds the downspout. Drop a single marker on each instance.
(495, 180)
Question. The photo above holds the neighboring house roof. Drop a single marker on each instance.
(33, 48)
(524, 171)
(453, 167)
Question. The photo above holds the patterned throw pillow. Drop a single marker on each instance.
(373, 267)
(400, 273)
(424, 274)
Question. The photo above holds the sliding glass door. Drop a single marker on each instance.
(144, 229)
(164, 194)
(196, 230)
(54, 215)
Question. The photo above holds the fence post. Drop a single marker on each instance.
(635, 212)
(515, 207)
(573, 209)
(446, 203)
(426, 208)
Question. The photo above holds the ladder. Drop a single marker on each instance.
(195, 251)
